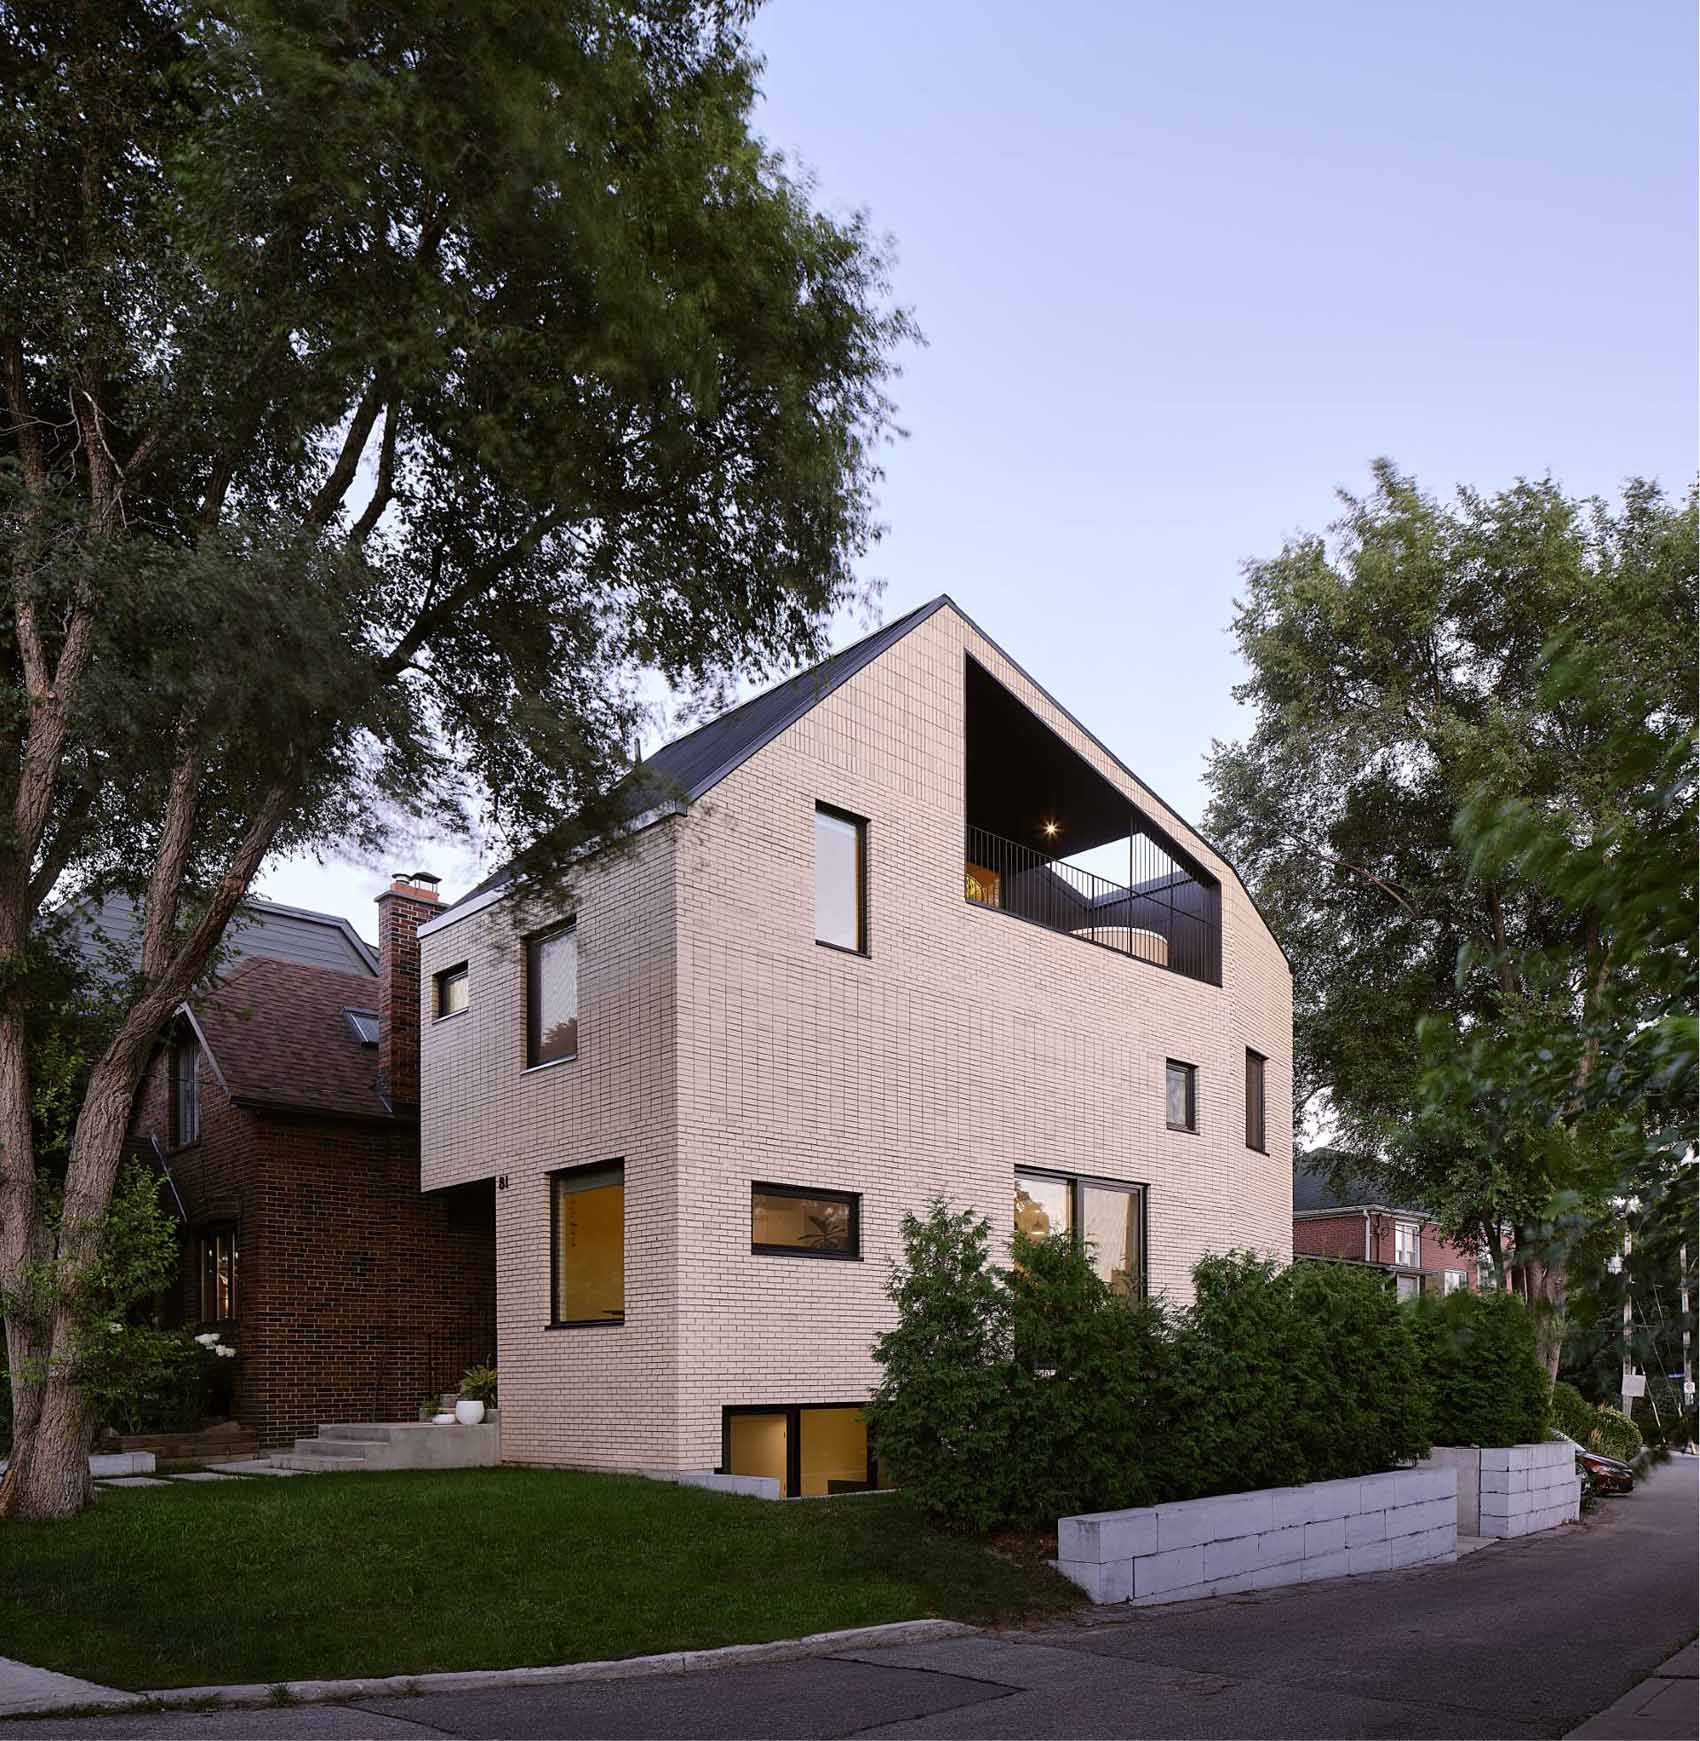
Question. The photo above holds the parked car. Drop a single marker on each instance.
(1607, 1474)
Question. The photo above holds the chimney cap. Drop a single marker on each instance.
(420, 883)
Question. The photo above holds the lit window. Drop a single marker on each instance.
(454, 991)
(1181, 1096)
(216, 1262)
(809, 1450)
(1255, 1135)
(840, 880)
(551, 985)
(185, 1093)
(590, 1245)
(806, 1223)
(1108, 1219)
(1406, 1246)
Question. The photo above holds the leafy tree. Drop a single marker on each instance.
(1485, 1379)
(386, 387)
(1450, 699)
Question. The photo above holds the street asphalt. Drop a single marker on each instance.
(1524, 1638)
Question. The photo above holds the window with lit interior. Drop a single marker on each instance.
(789, 1220)
(588, 1214)
(811, 1450)
(216, 1263)
(1106, 1217)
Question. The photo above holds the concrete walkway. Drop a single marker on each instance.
(1665, 1707)
(25, 1690)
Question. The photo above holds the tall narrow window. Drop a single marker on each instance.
(1407, 1246)
(589, 1247)
(217, 1263)
(1181, 1094)
(454, 991)
(185, 1093)
(1255, 1136)
(551, 996)
(841, 876)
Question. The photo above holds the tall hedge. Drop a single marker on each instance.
(1486, 1382)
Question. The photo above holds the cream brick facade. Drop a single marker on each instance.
(719, 1045)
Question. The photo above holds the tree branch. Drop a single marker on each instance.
(341, 475)
(165, 884)
(384, 492)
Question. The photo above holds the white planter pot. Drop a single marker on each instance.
(469, 1414)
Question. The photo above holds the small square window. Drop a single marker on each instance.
(1181, 1096)
(453, 992)
(789, 1219)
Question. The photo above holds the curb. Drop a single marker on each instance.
(672, 1662)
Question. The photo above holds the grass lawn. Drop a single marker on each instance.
(328, 1576)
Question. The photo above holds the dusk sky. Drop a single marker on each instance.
(1184, 270)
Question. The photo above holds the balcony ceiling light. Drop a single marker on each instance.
(1051, 828)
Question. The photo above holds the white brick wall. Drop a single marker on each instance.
(1528, 1487)
(1257, 1541)
(720, 1045)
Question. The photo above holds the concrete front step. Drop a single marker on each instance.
(345, 1447)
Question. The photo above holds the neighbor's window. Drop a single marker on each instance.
(216, 1262)
(790, 1219)
(185, 1093)
(1254, 1131)
(589, 1212)
(454, 991)
(1181, 1094)
(1107, 1218)
(1406, 1246)
(841, 855)
(1453, 1282)
(551, 996)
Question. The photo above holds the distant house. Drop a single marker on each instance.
(283, 1111)
(1358, 1224)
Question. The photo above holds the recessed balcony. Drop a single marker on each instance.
(1045, 827)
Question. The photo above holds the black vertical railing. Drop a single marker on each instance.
(1167, 915)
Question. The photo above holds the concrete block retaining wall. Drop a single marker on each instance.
(1255, 1541)
(1528, 1487)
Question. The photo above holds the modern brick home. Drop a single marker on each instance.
(849, 959)
(284, 1117)
(1358, 1225)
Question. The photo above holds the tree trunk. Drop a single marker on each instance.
(1543, 1293)
(48, 1475)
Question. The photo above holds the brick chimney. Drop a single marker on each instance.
(403, 907)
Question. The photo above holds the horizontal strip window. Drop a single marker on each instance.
(813, 1450)
(797, 1221)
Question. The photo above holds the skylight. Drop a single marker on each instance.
(365, 1025)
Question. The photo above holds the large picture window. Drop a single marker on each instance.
(788, 1220)
(810, 1450)
(841, 878)
(1106, 1217)
(216, 1261)
(588, 1211)
(185, 1093)
(1255, 1135)
(551, 996)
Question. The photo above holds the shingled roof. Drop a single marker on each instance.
(1312, 1191)
(279, 1036)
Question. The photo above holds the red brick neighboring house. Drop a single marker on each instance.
(285, 1114)
(1359, 1225)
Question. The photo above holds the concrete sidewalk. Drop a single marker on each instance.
(1665, 1707)
(25, 1690)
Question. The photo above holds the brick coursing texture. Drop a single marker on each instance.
(357, 1295)
(1342, 1235)
(719, 1044)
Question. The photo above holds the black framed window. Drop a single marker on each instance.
(795, 1221)
(588, 1245)
(812, 1450)
(551, 996)
(452, 991)
(1104, 1215)
(841, 880)
(1255, 1134)
(185, 1092)
(215, 1262)
(1180, 1095)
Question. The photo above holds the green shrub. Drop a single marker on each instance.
(1615, 1434)
(144, 1380)
(1485, 1380)
(1572, 1413)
